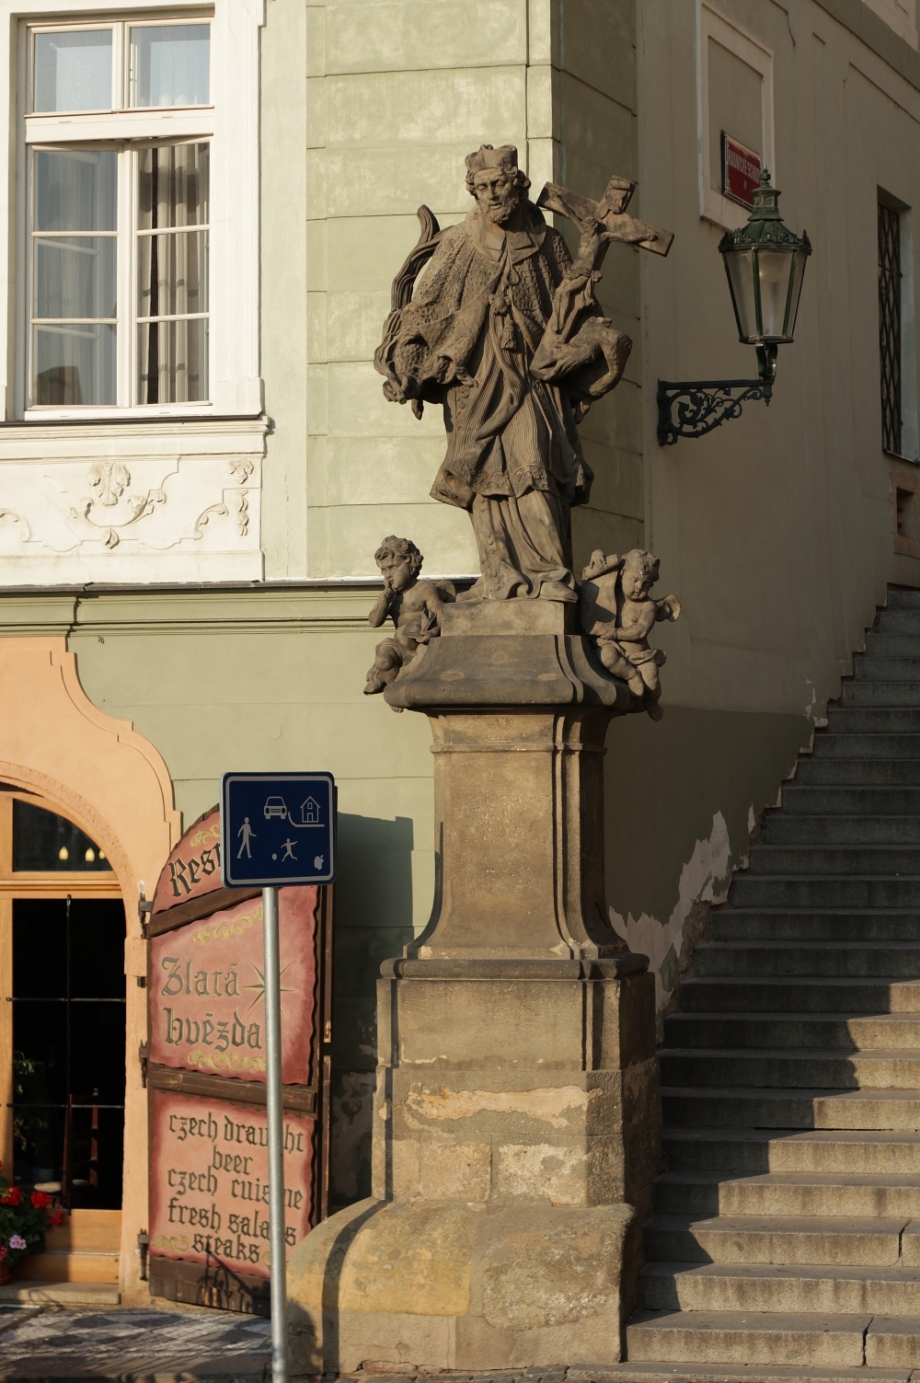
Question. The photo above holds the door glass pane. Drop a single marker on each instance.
(173, 186)
(73, 71)
(73, 365)
(75, 190)
(173, 361)
(172, 273)
(170, 65)
(75, 276)
(44, 841)
(69, 1046)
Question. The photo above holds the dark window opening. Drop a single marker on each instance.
(889, 305)
(44, 842)
(69, 1048)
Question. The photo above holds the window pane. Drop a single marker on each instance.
(45, 841)
(75, 276)
(75, 191)
(173, 362)
(173, 186)
(170, 65)
(73, 365)
(73, 71)
(172, 273)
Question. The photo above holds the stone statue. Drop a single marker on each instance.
(618, 614)
(504, 331)
(413, 605)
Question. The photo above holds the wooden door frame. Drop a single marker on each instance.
(14, 886)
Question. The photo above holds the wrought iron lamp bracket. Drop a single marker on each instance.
(704, 404)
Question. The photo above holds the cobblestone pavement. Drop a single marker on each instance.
(148, 1345)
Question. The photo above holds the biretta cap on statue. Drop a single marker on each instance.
(505, 156)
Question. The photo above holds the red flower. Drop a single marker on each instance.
(40, 1199)
(57, 1218)
(12, 1197)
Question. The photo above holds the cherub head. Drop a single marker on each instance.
(494, 179)
(400, 562)
(638, 574)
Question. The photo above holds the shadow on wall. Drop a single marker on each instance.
(681, 800)
(373, 921)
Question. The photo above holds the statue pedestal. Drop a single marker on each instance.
(517, 1128)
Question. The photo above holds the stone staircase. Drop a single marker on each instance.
(785, 1239)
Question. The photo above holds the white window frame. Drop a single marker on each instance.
(231, 126)
(722, 211)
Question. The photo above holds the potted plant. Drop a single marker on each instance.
(24, 1217)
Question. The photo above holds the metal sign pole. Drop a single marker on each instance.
(275, 1136)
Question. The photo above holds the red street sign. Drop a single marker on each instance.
(740, 170)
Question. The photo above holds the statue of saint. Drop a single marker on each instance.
(504, 331)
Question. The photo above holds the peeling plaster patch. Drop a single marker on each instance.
(542, 1171)
(704, 879)
(752, 820)
(547, 1105)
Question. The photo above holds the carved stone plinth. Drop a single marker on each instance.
(516, 1131)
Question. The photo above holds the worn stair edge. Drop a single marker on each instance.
(61, 1293)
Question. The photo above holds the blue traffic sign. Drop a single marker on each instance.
(277, 829)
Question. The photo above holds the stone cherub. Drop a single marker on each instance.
(505, 332)
(414, 606)
(618, 614)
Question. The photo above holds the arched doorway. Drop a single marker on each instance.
(107, 789)
(62, 1033)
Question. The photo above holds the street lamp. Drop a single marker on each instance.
(765, 265)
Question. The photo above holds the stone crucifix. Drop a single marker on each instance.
(505, 332)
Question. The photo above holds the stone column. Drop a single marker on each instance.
(517, 1129)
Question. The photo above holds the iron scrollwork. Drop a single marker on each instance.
(704, 404)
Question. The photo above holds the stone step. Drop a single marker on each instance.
(787, 829)
(901, 598)
(792, 1070)
(899, 693)
(872, 719)
(826, 772)
(882, 667)
(891, 643)
(867, 800)
(638, 1372)
(724, 995)
(837, 1032)
(851, 1241)
(60, 1293)
(779, 1287)
(823, 1152)
(815, 924)
(878, 744)
(787, 1194)
(830, 960)
(778, 892)
(767, 858)
(811, 1340)
(766, 1108)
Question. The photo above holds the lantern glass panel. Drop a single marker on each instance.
(740, 267)
(798, 275)
(774, 267)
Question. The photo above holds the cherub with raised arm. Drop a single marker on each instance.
(618, 613)
(414, 606)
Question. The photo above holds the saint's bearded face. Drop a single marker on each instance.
(497, 193)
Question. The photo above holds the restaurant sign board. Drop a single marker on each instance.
(207, 993)
(741, 168)
(209, 1183)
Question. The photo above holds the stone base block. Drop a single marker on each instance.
(448, 1285)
